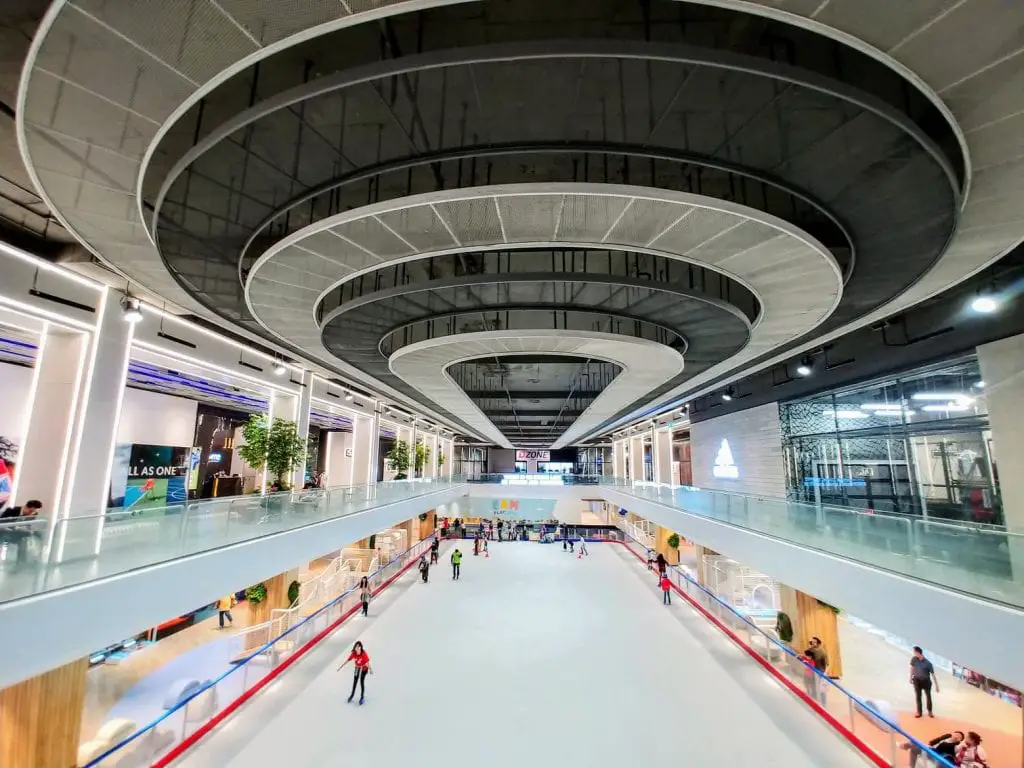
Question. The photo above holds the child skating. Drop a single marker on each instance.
(424, 567)
(666, 590)
(456, 564)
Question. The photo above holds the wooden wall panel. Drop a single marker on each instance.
(40, 718)
(813, 619)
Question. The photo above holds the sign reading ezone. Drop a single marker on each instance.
(533, 455)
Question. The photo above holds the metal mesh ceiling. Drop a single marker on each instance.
(645, 365)
(84, 128)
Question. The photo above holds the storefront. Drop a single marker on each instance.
(918, 443)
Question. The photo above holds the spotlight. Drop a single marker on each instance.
(728, 394)
(348, 396)
(984, 304)
(132, 309)
(279, 369)
(806, 367)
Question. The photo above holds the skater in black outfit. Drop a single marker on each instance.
(365, 593)
(362, 668)
(424, 568)
(434, 549)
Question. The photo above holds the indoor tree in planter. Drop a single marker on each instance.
(421, 458)
(398, 459)
(276, 446)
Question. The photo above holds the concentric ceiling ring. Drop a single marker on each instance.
(766, 255)
(645, 366)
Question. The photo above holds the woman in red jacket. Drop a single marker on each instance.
(361, 659)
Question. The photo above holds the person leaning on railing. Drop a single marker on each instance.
(12, 530)
(944, 745)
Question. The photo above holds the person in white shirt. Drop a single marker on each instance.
(583, 546)
(970, 754)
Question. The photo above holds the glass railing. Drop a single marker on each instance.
(210, 701)
(34, 559)
(865, 726)
(971, 559)
(521, 478)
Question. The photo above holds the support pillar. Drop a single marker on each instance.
(811, 618)
(619, 459)
(303, 407)
(373, 438)
(41, 718)
(661, 449)
(636, 458)
(66, 458)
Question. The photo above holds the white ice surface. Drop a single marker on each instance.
(533, 658)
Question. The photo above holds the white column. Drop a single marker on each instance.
(78, 386)
(372, 441)
(303, 407)
(662, 449)
(619, 459)
(636, 458)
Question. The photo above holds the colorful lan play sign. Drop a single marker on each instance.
(505, 505)
(725, 468)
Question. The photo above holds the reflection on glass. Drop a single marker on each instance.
(914, 444)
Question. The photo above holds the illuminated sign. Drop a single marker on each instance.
(725, 468)
(533, 455)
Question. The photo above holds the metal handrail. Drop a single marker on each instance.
(855, 700)
(240, 665)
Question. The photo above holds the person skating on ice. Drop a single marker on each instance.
(365, 593)
(434, 550)
(666, 590)
(456, 563)
(361, 659)
(476, 545)
(424, 567)
(583, 546)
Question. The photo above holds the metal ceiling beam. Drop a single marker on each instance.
(526, 394)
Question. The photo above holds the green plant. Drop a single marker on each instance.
(256, 594)
(440, 459)
(673, 541)
(278, 447)
(423, 517)
(293, 592)
(422, 456)
(398, 459)
(784, 627)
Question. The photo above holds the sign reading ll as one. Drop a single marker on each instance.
(725, 467)
(533, 455)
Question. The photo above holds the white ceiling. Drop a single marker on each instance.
(646, 365)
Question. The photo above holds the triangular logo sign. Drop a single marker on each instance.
(724, 465)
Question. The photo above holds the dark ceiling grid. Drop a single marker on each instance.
(869, 184)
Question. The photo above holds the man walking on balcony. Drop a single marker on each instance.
(922, 675)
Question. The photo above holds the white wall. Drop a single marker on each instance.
(15, 383)
(1002, 370)
(149, 418)
(755, 438)
(338, 467)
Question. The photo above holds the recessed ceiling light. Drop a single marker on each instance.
(806, 367)
(984, 304)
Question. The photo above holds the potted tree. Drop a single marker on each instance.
(398, 459)
(421, 458)
(275, 445)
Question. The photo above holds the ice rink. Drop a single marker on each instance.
(533, 658)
